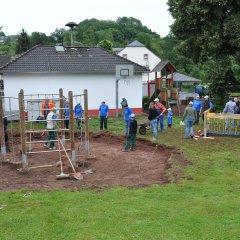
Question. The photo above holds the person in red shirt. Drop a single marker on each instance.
(47, 105)
(161, 109)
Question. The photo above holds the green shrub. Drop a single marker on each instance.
(145, 101)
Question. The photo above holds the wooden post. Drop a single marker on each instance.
(71, 125)
(156, 85)
(178, 103)
(117, 81)
(205, 123)
(87, 145)
(2, 133)
(22, 128)
(61, 114)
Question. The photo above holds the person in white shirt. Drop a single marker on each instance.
(230, 108)
(51, 127)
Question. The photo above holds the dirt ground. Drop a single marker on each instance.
(109, 165)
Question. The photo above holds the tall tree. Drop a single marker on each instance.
(1, 32)
(209, 29)
(38, 38)
(58, 34)
(23, 42)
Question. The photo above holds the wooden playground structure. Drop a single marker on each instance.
(32, 129)
(164, 86)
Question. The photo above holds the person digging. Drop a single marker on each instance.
(131, 138)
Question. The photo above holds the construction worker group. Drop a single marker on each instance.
(156, 114)
(49, 112)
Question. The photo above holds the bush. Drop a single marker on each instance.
(145, 101)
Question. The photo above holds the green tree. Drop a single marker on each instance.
(4, 49)
(67, 38)
(104, 34)
(209, 30)
(1, 32)
(58, 35)
(106, 44)
(38, 38)
(144, 38)
(23, 42)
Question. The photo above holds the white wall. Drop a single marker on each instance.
(100, 87)
(136, 54)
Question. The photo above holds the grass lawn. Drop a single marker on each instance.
(203, 204)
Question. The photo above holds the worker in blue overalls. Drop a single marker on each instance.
(78, 111)
(66, 114)
(127, 112)
(103, 115)
(197, 104)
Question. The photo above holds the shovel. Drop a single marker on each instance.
(62, 175)
(76, 175)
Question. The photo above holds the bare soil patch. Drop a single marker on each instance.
(111, 167)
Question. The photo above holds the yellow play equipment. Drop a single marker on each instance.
(221, 124)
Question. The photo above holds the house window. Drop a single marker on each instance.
(124, 56)
(145, 56)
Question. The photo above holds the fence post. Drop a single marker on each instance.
(71, 126)
(205, 123)
(22, 128)
(87, 146)
(2, 131)
(61, 114)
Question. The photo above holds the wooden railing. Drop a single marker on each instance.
(221, 124)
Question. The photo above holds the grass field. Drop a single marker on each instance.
(203, 204)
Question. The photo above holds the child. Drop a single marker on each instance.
(131, 138)
(169, 117)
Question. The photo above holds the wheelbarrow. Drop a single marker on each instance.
(143, 127)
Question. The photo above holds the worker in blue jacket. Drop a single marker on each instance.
(207, 104)
(127, 112)
(131, 138)
(103, 115)
(5, 125)
(197, 104)
(66, 114)
(78, 111)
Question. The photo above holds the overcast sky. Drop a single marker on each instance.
(47, 15)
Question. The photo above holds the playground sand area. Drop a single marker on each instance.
(105, 167)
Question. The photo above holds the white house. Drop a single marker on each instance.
(45, 69)
(141, 55)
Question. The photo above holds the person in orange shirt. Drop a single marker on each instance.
(161, 109)
(47, 105)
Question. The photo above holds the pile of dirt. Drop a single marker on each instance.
(107, 165)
